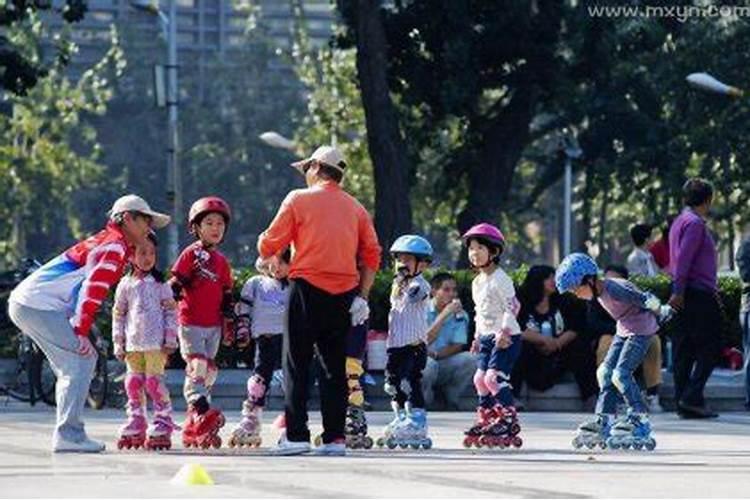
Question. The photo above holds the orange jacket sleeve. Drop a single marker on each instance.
(281, 231)
(368, 251)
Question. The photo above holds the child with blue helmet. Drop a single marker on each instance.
(638, 315)
(407, 343)
(497, 341)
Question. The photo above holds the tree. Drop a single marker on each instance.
(21, 66)
(48, 152)
(392, 168)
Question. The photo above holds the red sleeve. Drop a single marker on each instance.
(106, 264)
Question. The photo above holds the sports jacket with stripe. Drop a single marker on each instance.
(78, 280)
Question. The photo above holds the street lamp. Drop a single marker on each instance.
(707, 83)
(174, 176)
(569, 147)
(276, 140)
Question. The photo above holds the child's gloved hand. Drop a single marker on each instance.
(360, 311)
(227, 333)
(242, 332)
(653, 304)
(665, 313)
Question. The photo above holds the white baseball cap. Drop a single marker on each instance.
(324, 154)
(134, 203)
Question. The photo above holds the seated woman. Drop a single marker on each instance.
(554, 340)
(602, 328)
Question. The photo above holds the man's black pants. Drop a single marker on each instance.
(696, 345)
(316, 318)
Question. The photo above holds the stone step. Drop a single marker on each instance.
(724, 392)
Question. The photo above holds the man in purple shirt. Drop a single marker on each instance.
(692, 264)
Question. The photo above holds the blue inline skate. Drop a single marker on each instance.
(632, 431)
(594, 432)
(412, 432)
(399, 417)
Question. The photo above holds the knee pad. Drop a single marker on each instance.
(603, 375)
(211, 372)
(256, 389)
(354, 367)
(496, 380)
(155, 388)
(356, 396)
(618, 380)
(197, 368)
(405, 386)
(479, 384)
(134, 383)
(390, 389)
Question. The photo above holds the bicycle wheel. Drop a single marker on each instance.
(21, 384)
(99, 384)
(47, 382)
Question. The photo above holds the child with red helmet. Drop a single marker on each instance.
(202, 280)
(497, 341)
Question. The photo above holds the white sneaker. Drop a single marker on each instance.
(653, 404)
(86, 446)
(335, 449)
(289, 448)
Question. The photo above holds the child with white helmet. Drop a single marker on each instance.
(638, 315)
(407, 344)
(497, 341)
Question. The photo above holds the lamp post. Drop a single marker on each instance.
(174, 175)
(569, 147)
(707, 83)
(276, 140)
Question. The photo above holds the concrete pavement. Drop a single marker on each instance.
(692, 459)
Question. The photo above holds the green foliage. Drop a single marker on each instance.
(21, 64)
(48, 151)
(730, 289)
(334, 112)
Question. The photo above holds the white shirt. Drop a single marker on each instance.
(495, 303)
(407, 320)
(641, 262)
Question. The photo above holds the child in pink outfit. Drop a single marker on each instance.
(144, 329)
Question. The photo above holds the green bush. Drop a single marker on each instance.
(730, 290)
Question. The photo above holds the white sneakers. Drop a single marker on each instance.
(289, 448)
(60, 445)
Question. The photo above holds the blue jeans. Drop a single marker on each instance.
(745, 322)
(615, 374)
(502, 360)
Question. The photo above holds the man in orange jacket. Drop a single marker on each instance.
(336, 255)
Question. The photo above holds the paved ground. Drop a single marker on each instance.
(693, 459)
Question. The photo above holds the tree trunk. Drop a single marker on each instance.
(393, 215)
(491, 175)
